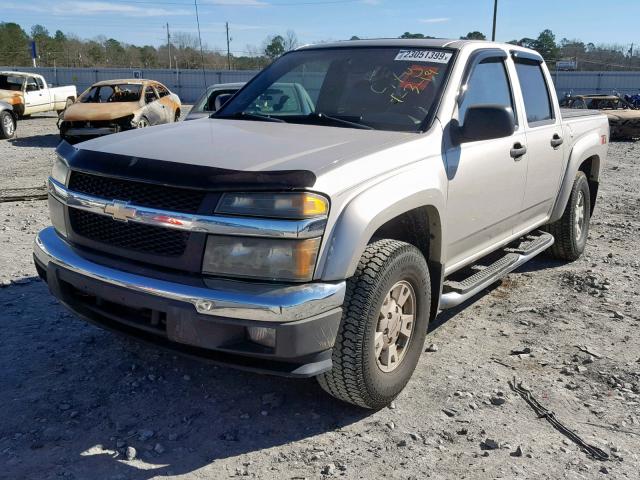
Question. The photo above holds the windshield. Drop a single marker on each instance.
(124, 92)
(10, 82)
(381, 88)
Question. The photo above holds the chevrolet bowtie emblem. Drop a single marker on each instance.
(120, 211)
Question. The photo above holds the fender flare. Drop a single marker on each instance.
(371, 209)
(587, 147)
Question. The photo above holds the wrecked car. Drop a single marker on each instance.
(29, 93)
(8, 120)
(112, 106)
(624, 118)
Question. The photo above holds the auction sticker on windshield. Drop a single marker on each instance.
(433, 56)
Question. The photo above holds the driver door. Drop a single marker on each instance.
(486, 180)
(34, 98)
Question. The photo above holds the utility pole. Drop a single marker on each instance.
(204, 74)
(169, 44)
(495, 15)
(228, 51)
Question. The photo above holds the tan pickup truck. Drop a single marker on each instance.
(29, 93)
(320, 237)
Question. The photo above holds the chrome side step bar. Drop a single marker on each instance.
(457, 292)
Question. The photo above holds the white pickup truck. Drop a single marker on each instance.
(320, 237)
(29, 93)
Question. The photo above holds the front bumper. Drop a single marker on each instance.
(207, 317)
(92, 132)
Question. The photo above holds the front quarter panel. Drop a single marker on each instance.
(411, 180)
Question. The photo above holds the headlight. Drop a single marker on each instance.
(60, 171)
(293, 205)
(261, 258)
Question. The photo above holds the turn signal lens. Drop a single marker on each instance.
(292, 205)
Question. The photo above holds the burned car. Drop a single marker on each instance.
(113, 106)
(624, 118)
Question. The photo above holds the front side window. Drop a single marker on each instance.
(367, 87)
(487, 85)
(537, 101)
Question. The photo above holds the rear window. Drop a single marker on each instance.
(537, 101)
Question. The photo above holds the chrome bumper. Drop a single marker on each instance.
(224, 298)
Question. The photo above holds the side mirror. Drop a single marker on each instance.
(221, 100)
(485, 122)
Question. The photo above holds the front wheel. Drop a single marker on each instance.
(384, 324)
(7, 125)
(572, 229)
(143, 122)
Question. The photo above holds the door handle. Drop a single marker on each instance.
(556, 140)
(518, 150)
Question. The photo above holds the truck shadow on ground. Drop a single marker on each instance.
(76, 396)
(49, 140)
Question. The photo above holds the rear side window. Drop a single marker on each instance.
(488, 85)
(537, 101)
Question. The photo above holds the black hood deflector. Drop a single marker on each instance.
(178, 174)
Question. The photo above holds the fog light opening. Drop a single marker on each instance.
(262, 336)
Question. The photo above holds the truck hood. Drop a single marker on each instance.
(243, 145)
(11, 97)
(99, 111)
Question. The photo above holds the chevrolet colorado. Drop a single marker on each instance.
(320, 237)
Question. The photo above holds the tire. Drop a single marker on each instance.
(176, 117)
(357, 375)
(143, 123)
(7, 125)
(570, 241)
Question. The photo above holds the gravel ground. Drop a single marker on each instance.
(82, 403)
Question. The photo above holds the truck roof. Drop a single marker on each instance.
(413, 42)
(20, 74)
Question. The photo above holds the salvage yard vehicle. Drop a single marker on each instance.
(8, 121)
(321, 244)
(624, 118)
(113, 106)
(29, 93)
(212, 99)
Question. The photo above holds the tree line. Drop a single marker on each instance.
(67, 50)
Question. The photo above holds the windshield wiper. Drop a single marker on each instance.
(250, 116)
(331, 119)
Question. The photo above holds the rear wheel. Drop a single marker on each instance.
(7, 125)
(572, 229)
(143, 122)
(384, 324)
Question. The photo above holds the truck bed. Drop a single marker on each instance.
(578, 112)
